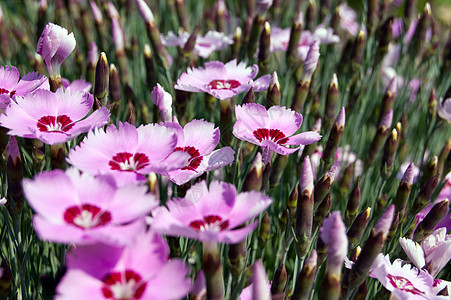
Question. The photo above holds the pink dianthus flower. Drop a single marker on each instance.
(129, 153)
(86, 209)
(53, 118)
(221, 80)
(212, 214)
(272, 128)
(139, 271)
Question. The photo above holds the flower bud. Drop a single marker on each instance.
(385, 36)
(295, 36)
(427, 226)
(322, 186)
(273, 96)
(424, 195)
(115, 86)
(153, 33)
(304, 210)
(256, 29)
(102, 78)
(305, 279)
(14, 176)
(181, 14)
(330, 107)
(357, 50)
(388, 157)
(379, 139)
(163, 101)
(265, 230)
(358, 226)
(253, 179)
(442, 157)
(310, 15)
(277, 169)
(334, 140)
(333, 233)
(322, 212)
(353, 204)
(405, 186)
(311, 61)
(264, 48)
(93, 57)
(237, 43)
(279, 281)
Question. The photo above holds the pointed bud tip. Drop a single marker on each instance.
(145, 11)
(334, 81)
(341, 118)
(409, 174)
(306, 180)
(387, 120)
(13, 149)
(383, 224)
(317, 126)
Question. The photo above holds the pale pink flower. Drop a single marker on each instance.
(55, 45)
(53, 118)
(403, 280)
(205, 44)
(213, 214)
(139, 271)
(199, 139)
(434, 251)
(280, 38)
(272, 128)
(11, 85)
(85, 209)
(221, 80)
(128, 153)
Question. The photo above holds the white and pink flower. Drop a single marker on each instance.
(221, 80)
(53, 118)
(205, 44)
(129, 153)
(210, 214)
(434, 251)
(404, 281)
(139, 271)
(86, 209)
(273, 128)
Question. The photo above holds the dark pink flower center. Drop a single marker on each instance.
(210, 222)
(87, 216)
(55, 124)
(195, 159)
(403, 284)
(5, 91)
(126, 285)
(275, 135)
(221, 84)
(125, 161)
